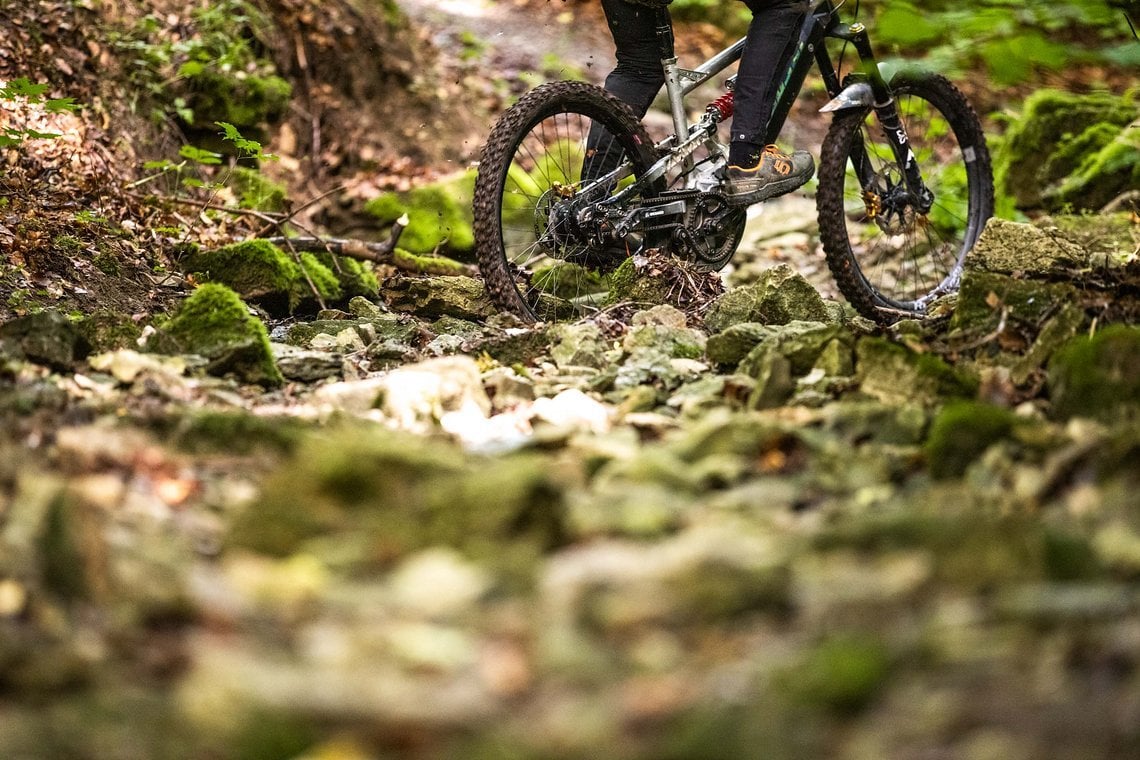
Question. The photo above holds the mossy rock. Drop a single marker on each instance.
(1108, 239)
(1058, 132)
(256, 191)
(801, 343)
(566, 280)
(984, 298)
(432, 297)
(842, 673)
(439, 214)
(896, 374)
(214, 323)
(326, 284)
(355, 277)
(635, 284)
(47, 337)
(961, 432)
(262, 273)
(780, 295)
(385, 327)
(256, 270)
(108, 330)
(363, 499)
(1098, 376)
(1007, 247)
(1103, 174)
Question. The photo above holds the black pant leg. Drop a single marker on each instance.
(638, 74)
(635, 80)
(773, 30)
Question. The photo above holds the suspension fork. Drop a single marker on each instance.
(886, 109)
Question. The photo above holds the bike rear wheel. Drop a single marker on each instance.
(536, 258)
(888, 258)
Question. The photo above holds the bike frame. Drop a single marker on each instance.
(869, 89)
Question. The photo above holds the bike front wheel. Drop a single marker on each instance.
(538, 257)
(889, 257)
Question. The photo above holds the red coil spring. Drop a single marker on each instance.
(723, 106)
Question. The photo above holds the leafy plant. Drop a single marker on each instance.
(31, 94)
(215, 73)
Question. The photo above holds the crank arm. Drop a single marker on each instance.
(640, 216)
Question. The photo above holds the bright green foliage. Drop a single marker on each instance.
(439, 214)
(1098, 376)
(961, 432)
(1011, 39)
(214, 323)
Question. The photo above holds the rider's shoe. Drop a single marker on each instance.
(774, 174)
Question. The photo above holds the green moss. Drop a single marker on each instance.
(1098, 376)
(439, 214)
(985, 298)
(255, 269)
(106, 261)
(1104, 174)
(438, 265)
(961, 432)
(109, 330)
(841, 673)
(629, 283)
(779, 296)
(256, 191)
(67, 244)
(214, 323)
(355, 277)
(1043, 146)
(323, 279)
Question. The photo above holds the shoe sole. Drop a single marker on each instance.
(770, 190)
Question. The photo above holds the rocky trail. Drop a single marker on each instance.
(256, 503)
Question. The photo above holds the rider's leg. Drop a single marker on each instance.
(757, 172)
(635, 80)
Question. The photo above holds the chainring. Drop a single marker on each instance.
(715, 228)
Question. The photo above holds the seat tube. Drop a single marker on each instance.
(674, 89)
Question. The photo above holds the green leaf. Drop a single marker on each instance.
(23, 87)
(61, 105)
(164, 164)
(33, 134)
(200, 156)
(193, 182)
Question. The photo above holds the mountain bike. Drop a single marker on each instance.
(570, 184)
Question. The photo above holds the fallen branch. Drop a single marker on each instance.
(379, 253)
